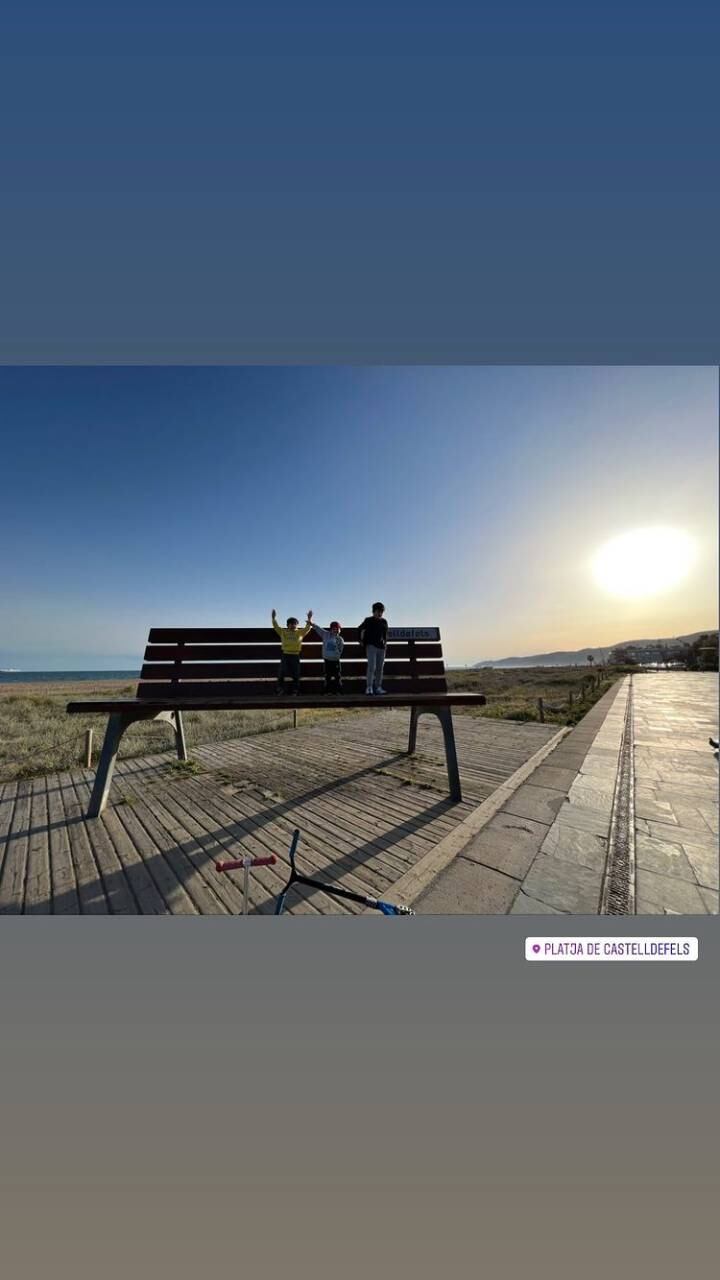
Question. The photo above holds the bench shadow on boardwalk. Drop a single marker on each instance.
(367, 813)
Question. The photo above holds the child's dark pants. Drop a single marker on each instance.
(333, 680)
(289, 666)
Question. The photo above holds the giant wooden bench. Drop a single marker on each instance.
(196, 669)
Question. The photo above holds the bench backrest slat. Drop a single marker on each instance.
(268, 670)
(262, 635)
(226, 662)
(312, 648)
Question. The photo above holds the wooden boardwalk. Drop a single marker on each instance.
(366, 811)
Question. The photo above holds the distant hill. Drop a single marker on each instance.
(575, 657)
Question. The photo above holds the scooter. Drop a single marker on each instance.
(362, 899)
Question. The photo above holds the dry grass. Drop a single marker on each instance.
(37, 735)
(513, 694)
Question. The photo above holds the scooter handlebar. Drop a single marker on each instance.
(237, 864)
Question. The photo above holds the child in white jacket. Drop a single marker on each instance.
(333, 645)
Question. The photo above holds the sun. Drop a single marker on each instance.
(644, 562)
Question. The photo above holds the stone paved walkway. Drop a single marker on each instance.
(546, 850)
(676, 793)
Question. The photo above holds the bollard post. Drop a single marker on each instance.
(541, 711)
(294, 719)
(570, 698)
(88, 748)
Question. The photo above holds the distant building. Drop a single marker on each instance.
(657, 655)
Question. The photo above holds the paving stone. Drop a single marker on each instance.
(507, 843)
(671, 772)
(656, 809)
(527, 906)
(549, 776)
(468, 889)
(584, 819)
(686, 815)
(711, 817)
(683, 835)
(704, 863)
(581, 847)
(565, 759)
(710, 898)
(660, 855)
(652, 788)
(648, 788)
(602, 779)
(563, 885)
(592, 797)
(607, 749)
(660, 891)
(540, 803)
(647, 774)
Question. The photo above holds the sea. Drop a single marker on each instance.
(40, 677)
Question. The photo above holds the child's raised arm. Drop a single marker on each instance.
(275, 623)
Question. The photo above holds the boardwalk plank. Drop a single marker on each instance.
(378, 795)
(148, 897)
(8, 800)
(88, 879)
(118, 893)
(176, 899)
(141, 821)
(242, 834)
(357, 856)
(38, 894)
(65, 897)
(12, 881)
(319, 851)
(202, 843)
(347, 820)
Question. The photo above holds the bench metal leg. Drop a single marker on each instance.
(117, 724)
(444, 715)
(174, 718)
(414, 716)
(180, 736)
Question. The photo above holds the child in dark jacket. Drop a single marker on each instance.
(373, 638)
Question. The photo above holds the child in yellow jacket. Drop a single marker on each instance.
(291, 639)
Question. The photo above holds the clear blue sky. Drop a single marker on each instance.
(471, 498)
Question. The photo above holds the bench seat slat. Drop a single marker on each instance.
(283, 703)
(251, 688)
